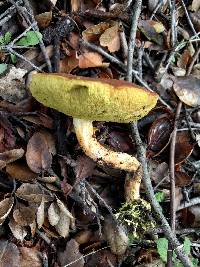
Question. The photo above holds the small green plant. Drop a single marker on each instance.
(30, 38)
(162, 247)
(160, 196)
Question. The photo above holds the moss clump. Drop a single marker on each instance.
(92, 99)
(135, 216)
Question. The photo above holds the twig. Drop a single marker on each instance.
(159, 4)
(194, 58)
(148, 186)
(101, 199)
(193, 201)
(25, 59)
(172, 181)
(131, 46)
(30, 20)
(82, 257)
(188, 17)
(172, 6)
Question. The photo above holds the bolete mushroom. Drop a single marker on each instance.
(88, 100)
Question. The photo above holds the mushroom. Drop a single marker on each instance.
(88, 100)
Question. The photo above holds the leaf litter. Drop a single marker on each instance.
(58, 205)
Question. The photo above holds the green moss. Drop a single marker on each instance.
(135, 216)
(91, 99)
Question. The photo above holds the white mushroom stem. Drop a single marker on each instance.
(102, 155)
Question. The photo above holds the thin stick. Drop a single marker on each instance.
(172, 5)
(172, 181)
(188, 17)
(131, 46)
(147, 180)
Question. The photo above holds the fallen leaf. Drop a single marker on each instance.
(44, 19)
(21, 172)
(30, 257)
(5, 208)
(183, 147)
(195, 17)
(116, 236)
(84, 168)
(91, 60)
(9, 256)
(187, 89)
(18, 231)
(53, 214)
(23, 216)
(38, 156)
(71, 254)
(152, 29)
(10, 156)
(12, 87)
(182, 179)
(62, 227)
(32, 193)
(195, 6)
(64, 209)
(69, 63)
(111, 38)
(92, 33)
(40, 214)
(84, 236)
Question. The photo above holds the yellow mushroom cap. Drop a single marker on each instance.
(92, 99)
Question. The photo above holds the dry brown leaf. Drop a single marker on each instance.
(64, 209)
(84, 168)
(9, 254)
(116, 236)
(10, 156)
(18, 231)
(5, 208)
(71, 254)
(53, 214)
(69, 63)
(111, 38)
(195, 6)
(187, 89)
(62, 227)
(12, 87)
(38, 156)
(32, 193)
(195, 17)
(21, 172)
(92, 33)
(30, 257)
(152, 29)
(40, 214)
(44, 19)
(47, 179)
(91, 60)
(23, 216)
(84, 236)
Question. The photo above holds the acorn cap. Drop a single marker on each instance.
(92, 99)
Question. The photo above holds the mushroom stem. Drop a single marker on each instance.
(102, 155)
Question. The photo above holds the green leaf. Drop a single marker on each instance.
(7, 37)
(3, 67)
(195, 262)
(187, 245)
(162, 246)
(160, 196)
(13, 58)
(31, 38)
